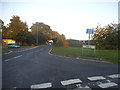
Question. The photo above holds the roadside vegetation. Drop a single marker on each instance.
(4, 51)
(77, 52)
(104, 38)
(38, 34)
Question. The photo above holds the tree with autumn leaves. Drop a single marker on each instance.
(106, 37)
(18, 30)
(14, 28)
(43, 32)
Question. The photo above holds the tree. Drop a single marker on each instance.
(40, 31)
(18, 30)
(14, 28)
(107, 37)
(25, 38)
(43, 32)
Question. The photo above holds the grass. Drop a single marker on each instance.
(107, 55)
(4, 51)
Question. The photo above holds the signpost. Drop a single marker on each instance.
(89, 31)
(89, 46)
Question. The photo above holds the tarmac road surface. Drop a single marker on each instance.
(35, 68)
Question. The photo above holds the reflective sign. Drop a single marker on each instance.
(89, 31)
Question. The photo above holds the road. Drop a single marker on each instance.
(35, 68)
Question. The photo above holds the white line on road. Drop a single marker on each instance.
(96, 78)
(29, 53)
(80, 86)
(26, 49)
(44, 85)
(107, 85)
(17, 56)
(7, 60)
(13, 58)
(71, 81)
(114, 76)
(13, 88)
(33, 52)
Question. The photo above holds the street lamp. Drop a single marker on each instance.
(37, 37)
(37, 25)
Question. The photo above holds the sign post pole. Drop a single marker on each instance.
(89, 44)
(89, 31)
(94, 51)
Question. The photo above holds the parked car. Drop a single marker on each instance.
(12, 45)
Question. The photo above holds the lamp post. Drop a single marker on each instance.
(37, 24)
(37, 37)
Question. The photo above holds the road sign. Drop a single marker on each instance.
(89, 46)
(90, 31)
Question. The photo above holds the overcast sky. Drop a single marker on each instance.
(68, 17)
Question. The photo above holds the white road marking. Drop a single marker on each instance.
(71, 81)
(33, 52)
(96, 78)
(114, 76)
(107, 85)
(26, 49)
(29, 53)
(13, 88)
(13, 58)
(79, 86)
(44, 85)
(108, 80)
(17, 56)
(8, 59)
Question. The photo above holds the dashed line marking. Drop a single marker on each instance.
(96, 78)
(107, 85)
(13, 58)
(17, 56)
(26, 49)
(29, 53)
(80, 86)
(7, 60)
(71, 81)
(13, 88)
(114, 76)
(39, 86)
(33, 52)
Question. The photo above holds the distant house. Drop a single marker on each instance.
(77, 43)
(7, 41)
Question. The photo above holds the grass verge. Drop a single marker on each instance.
(4, 51)
(105, 55)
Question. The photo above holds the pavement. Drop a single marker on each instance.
(35, 68)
